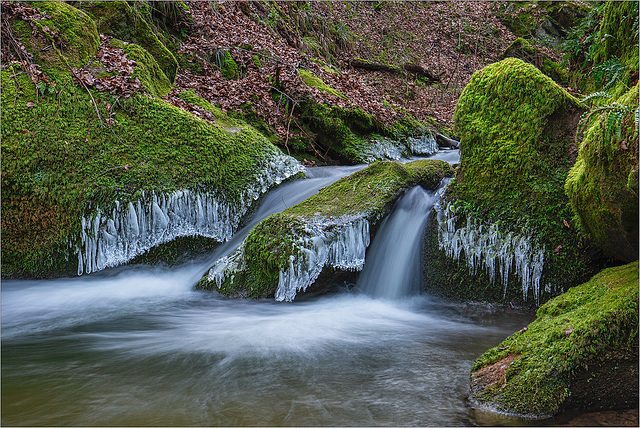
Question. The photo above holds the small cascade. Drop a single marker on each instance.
(501, 254)
(112, 238)
(394, 267)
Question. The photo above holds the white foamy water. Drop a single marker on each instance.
(87, 352)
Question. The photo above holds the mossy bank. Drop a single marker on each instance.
(293, 247)
(581, 352)
(517, 129)
(70, 152)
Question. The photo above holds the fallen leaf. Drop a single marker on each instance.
(30, 104)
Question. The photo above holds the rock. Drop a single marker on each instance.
(517, 128)
(446, 141)
(580, 353)
(603, 186)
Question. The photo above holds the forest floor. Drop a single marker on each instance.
(447, 40)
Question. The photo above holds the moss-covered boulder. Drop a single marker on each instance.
(287, 252)
(78, 192)
(603, 184)
(581, 352)
(505, 214)
(118, 19)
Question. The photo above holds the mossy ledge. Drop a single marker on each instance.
(581, 352)
(63, 172)
(517, 130)
(286, 252)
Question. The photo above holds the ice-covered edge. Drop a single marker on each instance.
(492, 249)
(385, 148)
(340, 243)
(108, 239)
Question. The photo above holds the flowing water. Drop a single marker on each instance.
(393, 267)
(138, 345)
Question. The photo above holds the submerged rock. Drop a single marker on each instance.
(581, 352)
(286, 252)
(517, 130)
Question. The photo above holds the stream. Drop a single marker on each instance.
(137, 345)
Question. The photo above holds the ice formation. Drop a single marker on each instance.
(487, 247)
(380, 149)
(394, 150)
(340, 243)
(423, 145)
(112, 238)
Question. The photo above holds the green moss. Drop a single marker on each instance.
(228, 66)
(147, 70)
(256, 62)
(523, 49)
(584, 329)
(118, 19)
(59, 163)
(372, 189)
(517, 130)
(369, 193)
(618, 34)
(72, 26)
(313, 81)
(602, 195)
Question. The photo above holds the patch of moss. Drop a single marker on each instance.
(601, 185)
(118, 19)
(524, 50)
(618, 34)
(517, 131)
(59, 163)
(228, 66)
(314, 81)
(147, 70)
(372, 189)
(368, 193)
(583, 330)
(73, 27)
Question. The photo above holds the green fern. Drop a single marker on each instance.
(614, 117)
(602, 94)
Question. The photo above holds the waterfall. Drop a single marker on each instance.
(110, 238)
(501, 254)
(394, 267)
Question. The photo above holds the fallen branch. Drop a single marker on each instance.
(422, 72)
(373, 66)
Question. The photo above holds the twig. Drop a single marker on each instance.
(113, 168)
(288, 125)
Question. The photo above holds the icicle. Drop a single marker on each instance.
(492, 251)
(116, 236)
